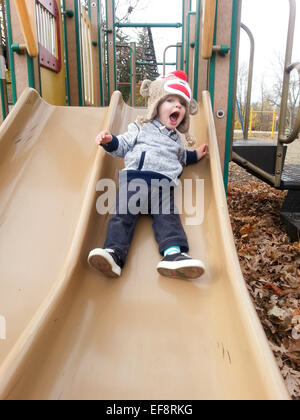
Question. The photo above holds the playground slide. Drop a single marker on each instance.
(73, 334)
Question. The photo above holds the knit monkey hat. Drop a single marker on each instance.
(157, 91)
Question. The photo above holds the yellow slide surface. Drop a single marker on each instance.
(69, 333)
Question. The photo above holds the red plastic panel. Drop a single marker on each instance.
(47, 59)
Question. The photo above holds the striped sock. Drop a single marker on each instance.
(172, 250)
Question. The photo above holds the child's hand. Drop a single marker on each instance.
(103, 137)
(202, 151)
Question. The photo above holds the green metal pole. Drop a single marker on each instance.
(21, 50)
(187, 45)
(183, 36)
(3, 86)
(100, 53)
(111, 47)
(232, 77)
(89, 10)
(146, 63)
(133, 73)
(107, 52)
(134, 78)
(64, 18)
(115, 50)
(10, 53)
(78, 52)
(30, 70)
(197, 50)
(148, 25)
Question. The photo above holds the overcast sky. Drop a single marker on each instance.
(267, 19)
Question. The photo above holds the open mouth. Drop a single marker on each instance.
(174, 117)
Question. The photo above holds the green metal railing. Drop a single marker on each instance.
(3, 85)
(30, 69)
(275, 179)
(100, 53)
(13, 48)
(111, 47)
(133, 63)
(65, 14)
(160, 63)
(236, 22)
(78, 50)
(197, 50)
(164, 58)
(133, 73)
(10, 53)
(148, 25)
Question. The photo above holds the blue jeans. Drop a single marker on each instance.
(158, 203)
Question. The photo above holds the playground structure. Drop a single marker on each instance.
(247, 130)
(273, 114)
(266, 160)
(69, 332)
(88, 47)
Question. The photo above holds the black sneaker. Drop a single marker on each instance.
(106, 261)
(181, 265)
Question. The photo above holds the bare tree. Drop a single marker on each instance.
(274, 95)
(131, 6)
(125, 10)
(242, 85)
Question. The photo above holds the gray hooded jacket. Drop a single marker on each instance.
(151, 151)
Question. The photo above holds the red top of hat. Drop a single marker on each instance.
(179, 74)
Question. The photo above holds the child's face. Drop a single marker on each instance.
(172, 111)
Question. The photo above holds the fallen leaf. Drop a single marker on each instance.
(270, 264)
(275, 288)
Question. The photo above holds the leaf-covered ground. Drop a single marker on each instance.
(271, 267)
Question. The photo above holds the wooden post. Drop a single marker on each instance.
(225, 67)
(202, 65)
(20, 60)
(26, 14)
(208, 28)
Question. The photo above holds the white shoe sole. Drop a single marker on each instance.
(187, 269)
(103, 262)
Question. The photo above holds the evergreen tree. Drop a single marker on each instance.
(123, 64)
(146, 53)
